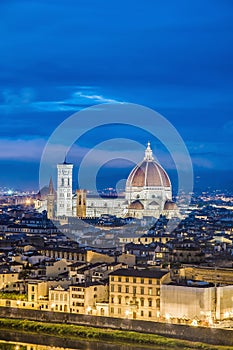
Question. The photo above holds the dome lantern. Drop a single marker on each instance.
(148, 153)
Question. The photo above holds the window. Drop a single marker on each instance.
(150, 291)
(112, 300)
(33, 297)
(158, 281)
(134, 280)
(119, 300)
(33, 289)
(158, 303)
(134, 290)
(157, 292)
(119, 279)
(112, 278)
(112, 288)
(119, 310)
(127, 289)
(119, 289)
(142, 313)
(150, 281)
(127, 279)
(142, 290)
(112, 310)
(142, 280)
(149, 314)
(149, 302)
(142, 302)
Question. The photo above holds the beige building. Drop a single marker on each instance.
(55, 268)
(84, 296)
(216, 275)
(59, 299)
(9, 281)
(144, 239)
(135, 293)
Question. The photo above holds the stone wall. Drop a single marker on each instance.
(206, 335)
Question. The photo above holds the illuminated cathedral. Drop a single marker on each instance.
(148, 192)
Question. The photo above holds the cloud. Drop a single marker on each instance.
(26, 150)
(14, 99)
(96, 98)
(24, 99)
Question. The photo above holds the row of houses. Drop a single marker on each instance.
(149, 294)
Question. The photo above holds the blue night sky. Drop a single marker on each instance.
(59, 56)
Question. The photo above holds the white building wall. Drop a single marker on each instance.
(187, 302)
(64, 189)
(224, 304)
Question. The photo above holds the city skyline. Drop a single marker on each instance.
(58, 59)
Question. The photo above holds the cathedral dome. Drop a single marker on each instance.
(136, 205)
(148, 173)
(170, 205)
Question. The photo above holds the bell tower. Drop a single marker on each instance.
(51, 200)
(64, 189)
(81, 203)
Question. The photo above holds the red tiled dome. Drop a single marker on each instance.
(148, 173)
(136, 205)
(170, 205)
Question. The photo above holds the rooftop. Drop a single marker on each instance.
(150, 273)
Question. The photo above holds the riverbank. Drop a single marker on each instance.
(92, 333)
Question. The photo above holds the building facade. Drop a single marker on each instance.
(64, 189)
(135, 293)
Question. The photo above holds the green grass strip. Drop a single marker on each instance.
(104, 334)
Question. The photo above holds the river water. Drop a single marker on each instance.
(11, 340)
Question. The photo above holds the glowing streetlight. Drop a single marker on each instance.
(194, 323)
